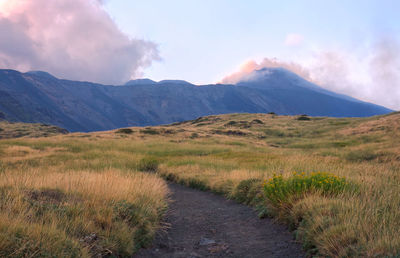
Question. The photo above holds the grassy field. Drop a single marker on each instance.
(335, 182)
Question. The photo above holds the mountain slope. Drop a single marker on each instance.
(83, 106)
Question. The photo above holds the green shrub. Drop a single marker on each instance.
(257, 121)
(124, 130)
(303, 118)
(361, 155)
(247, 191)
(275, 133)
(148, 164)
(194, 135)
(230, 123)
(240, 124)
(197, 184)
(282, 192)
(149, 130)
(136, 218)
(200, 119)
(2, 167)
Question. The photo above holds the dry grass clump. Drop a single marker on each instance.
(78, 213)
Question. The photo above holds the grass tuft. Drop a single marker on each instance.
(283, 192)
(148, 164)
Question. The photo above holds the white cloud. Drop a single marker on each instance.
(73, 39)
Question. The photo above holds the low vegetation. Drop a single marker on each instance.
(16, 130)
(282, 193)
(65, 197)
(335, 182)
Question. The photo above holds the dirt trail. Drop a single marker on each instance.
(207, 225)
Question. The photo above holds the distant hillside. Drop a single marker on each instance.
(38, 97)
(16, 130)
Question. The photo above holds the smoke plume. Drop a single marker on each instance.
(74, 39)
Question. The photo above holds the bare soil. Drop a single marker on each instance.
(203, 224)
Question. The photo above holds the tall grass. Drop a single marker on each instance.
(352, 212)
(80, 204)
(92, 194)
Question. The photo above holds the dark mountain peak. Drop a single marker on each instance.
(284, 79)
(143, 81)
(41, 74)
(270, 74)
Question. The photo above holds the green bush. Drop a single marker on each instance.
(361, 155)
(281, 192)
(197, 184)
(247, 191)
(124, 130)
(148, 164)
(257, 121)
(303, 118)
(230, 123)
(194, 135)
(149, 130)
(2, 167)
(275, 133)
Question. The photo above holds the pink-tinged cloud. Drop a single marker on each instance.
(74, 39)
(294, 39)
(371, 75)
(247, 68)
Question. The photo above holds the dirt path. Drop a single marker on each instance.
(207, 225)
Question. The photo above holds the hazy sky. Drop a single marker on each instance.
(202, 40)
(347, 46)
(352, 47)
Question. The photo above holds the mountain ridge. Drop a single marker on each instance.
(38, 97)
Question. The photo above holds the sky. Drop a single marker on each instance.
(351, 47)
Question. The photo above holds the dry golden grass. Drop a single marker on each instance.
(365, 223)
(59, 191)
(51, 207)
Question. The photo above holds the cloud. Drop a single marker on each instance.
(73, 39)
(371, 74)
(294, 39)
(247, 68)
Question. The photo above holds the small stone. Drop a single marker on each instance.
(205, 241)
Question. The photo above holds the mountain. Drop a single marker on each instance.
(84, 106)
(140, 81)
(280, 78)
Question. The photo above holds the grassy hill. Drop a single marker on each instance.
(16, 130)
(334, 181)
